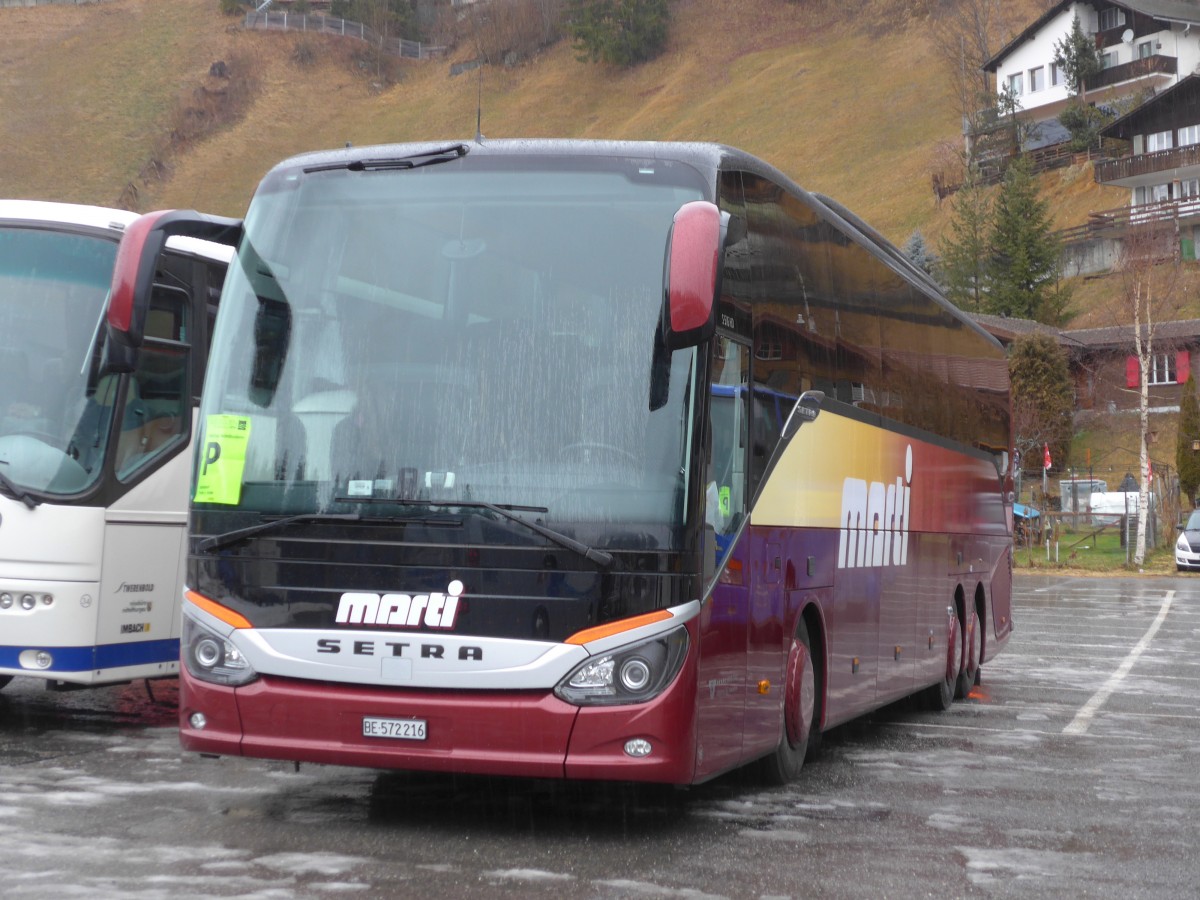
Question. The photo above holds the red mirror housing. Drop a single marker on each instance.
(135, 269)
(692, 274)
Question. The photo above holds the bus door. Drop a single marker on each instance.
(141, 576)
(724, 620)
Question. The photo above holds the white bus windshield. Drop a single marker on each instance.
(459, 332)
(53, 287)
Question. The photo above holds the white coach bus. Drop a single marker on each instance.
(95, 440)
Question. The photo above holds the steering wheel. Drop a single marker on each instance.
(588, 446)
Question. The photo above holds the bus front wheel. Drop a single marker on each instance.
(799, 711)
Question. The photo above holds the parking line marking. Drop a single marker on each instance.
(1083, 718)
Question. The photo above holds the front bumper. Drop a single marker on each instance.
(1187, 559)
(510, 733)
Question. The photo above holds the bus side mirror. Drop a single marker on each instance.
(135, 269)
(807, 408)
(272, 336)
(692, 274)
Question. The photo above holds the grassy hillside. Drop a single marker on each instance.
(93, 95)
(849, 97)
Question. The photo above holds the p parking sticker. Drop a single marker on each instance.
(222, 459)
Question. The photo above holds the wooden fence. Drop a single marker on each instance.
(1111, 221)
(319, 24)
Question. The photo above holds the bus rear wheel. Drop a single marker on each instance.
(940, 696)
(799, 711)
(972, 651)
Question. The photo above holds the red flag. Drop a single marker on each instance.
(1046, 456)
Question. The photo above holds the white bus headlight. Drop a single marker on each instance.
(210, 657)
(633, 674)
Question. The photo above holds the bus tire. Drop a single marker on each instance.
(940, 696)
(799, 711)
(4, 679)
(972, 648)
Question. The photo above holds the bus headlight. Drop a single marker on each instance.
(210, 657)
(633, 674)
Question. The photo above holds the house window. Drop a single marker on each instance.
(1111, 18)
(1165, 368)
(1108, 60)
(1162, 368)
(1037, 79)
(1145, 49)
(1189, 187)
(1189, 134)
(1151, 193)
(1015, 83)
(1056, 75)
(1158, 141)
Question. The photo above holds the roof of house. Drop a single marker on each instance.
(1005, 329)
(1122, 335)
(1187, 11)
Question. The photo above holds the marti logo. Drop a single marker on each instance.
(435, 610)
(874, 523)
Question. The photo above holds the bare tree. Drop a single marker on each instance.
(966, 34)
(1150, 296)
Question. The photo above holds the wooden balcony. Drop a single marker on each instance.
(1131, 71)
(1114, 170)
(1113, 222)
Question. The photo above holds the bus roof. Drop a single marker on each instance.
(100, 218)
(65, 214)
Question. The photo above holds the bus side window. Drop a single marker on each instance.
(726, 492)
(162, 411)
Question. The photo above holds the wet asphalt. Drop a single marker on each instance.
(1072, 771)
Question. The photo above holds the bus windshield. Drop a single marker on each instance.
(468, 332)
(53, 287)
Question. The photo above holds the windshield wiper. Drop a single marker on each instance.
(599, 557)
(413, 161)
(17, 492)
(232, 537)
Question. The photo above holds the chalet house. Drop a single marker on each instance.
(1145, 46)
(1162, 171)
(1104, 367)
(1106, 370)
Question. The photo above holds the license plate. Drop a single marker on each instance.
(398, 729)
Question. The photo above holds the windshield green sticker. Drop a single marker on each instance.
(222, 459)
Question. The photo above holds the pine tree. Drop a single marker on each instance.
(1077, 57)
(1187, 460)
(965, 247)
(619, 32)
(918, 254)
(1023, 266)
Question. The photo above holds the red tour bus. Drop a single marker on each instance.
(495, 476)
